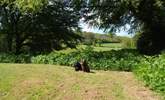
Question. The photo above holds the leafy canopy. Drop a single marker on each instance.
(112, 14)
(52, 26)
(146, 16)
(25, 5)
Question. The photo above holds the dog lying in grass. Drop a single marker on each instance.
(82, 66)
(77, 66)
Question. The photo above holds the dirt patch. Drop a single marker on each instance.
(134, 89)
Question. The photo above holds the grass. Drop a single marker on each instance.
(108, 47)
(47, 82)
(103, 47)
(112, 45)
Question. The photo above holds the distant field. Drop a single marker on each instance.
(50, 82)
(112, 45)
(108, 47)
(103, 47)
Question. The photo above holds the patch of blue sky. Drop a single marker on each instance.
(85, 27)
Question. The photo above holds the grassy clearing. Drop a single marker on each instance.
(109, 46)
(103, 47)
(47, 82)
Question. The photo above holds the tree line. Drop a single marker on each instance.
(54, 25)
(44, 25)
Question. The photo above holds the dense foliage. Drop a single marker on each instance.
(147, 16)
(25, 27)
(152, 71)
(52, 27)
(108, 60)
(23, 5)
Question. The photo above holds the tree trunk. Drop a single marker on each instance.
(18, 44)
(9, 42)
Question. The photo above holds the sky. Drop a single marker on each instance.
(85, 27)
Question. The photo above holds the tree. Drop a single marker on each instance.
(25, 5)
(147, 16)
(49, 28)
(58, 29)
(11, 18)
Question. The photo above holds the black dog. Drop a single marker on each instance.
(77, 66)
(82, 66)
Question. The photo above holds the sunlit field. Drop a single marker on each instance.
(50, 82)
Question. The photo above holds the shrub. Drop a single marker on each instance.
(40, 59)
(11, 58)
(108, 60)
(7, 58)
(152, 71)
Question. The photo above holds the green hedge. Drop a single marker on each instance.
(11, 58)
(122, 60)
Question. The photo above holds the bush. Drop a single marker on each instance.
(152, 71)
(11, 58)
(7, 58)
(123, 60)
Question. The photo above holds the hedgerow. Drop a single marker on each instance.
(123, 60)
